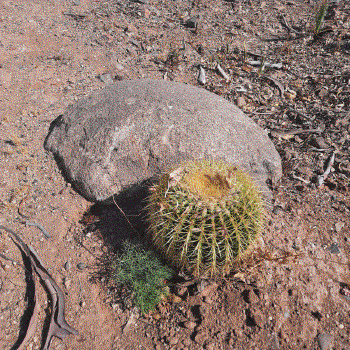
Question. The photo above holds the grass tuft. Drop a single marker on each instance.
(144, 275)
(320, 15)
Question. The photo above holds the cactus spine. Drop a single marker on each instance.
(205, 215)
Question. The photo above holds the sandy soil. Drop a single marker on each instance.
(293, 293)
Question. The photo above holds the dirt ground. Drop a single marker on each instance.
(293, 293)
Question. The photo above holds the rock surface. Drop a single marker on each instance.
(134, 129)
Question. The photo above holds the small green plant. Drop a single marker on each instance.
(143, 273)
(173, 58)
(204, 216)
(320, 15)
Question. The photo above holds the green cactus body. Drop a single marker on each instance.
(205, 215)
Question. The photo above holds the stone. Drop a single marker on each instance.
(201, 337)
(141, 1)
(182, 291)
(319, 142)
(106, 78)
(323, 92)
(325, 341)
(67, 282)
(173, 340)
(253, 297)
(339, 226)
(190, 325)
(209, 346)
(67, 265)
(81, 266)
(192, 22)
(187, 342)
(5, 77)
(241, 101)
(133, 130)
(156, 316)
(334, 248)
(175, 299)
(274, 344)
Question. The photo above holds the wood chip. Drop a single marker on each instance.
(329, 164)
(201, 75)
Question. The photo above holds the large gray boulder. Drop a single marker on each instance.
(134, 129)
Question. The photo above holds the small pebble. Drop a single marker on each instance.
(119, 66)
(156, 316)
(187, 342)
(333, 248)
(190, 324)
(68, 265)
(339, 226)
(200, 338)
(192, 22)
(201, 75)
(176, 299)
(106, 78)
(202, 285)
(253, 297)
(241, 102)
(319, 142)
(67, 282)
(210, 346)
(324, 341)
(277, 210)
(81, 266)
(173, 340)
(181, 292)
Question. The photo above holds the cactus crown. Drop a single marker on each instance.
(204, 215)
(206, 183)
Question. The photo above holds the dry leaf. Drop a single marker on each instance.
(175, 176)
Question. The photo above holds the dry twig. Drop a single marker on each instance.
(58, 326)
(223, 73)
(290, 134)
(329, 164)
(121, 210)
(277, 83)
(39, 226)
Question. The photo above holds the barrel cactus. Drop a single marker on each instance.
(204, 216)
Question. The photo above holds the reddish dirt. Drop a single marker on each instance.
(293, 292)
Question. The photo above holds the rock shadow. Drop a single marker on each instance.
(122, 217)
